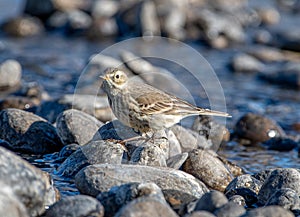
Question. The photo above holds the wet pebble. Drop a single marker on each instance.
(257, 128)
(246, 63)
(205, 165)
(269, 16)
(67, 150)
(281, 144)
(267, 54)
(238, 199)
(10, 73)
(78, 21)
(245, 186)
(279, 179)
(24, 26)
(269, 211)
(74, 126)
(27, 132)
(110, 175)
(105, 8)
(95, 152)
(289, 40)
(200, 214)
(29, 184)
(230, 209)
(286, 198)
(211, 201)
(76, 206)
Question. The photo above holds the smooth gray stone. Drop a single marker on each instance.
(74, 126)
(10, 73)
(211, 201)
(101, 177)
(269, 211)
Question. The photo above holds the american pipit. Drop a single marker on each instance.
(145, 108)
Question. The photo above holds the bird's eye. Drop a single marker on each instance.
(117, 76)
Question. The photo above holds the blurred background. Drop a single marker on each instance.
(253, 46)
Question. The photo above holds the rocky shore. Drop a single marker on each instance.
(183, 171)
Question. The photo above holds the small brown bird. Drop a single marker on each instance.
(145, 108)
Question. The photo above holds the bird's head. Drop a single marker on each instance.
(114, 79)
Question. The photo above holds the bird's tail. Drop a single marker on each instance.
(213, 113)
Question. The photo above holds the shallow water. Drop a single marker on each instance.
(56, 63)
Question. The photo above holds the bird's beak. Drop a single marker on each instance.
(103, 77)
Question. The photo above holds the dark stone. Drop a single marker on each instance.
(10, 73)
(27, 132)
(95, 152)
(269, 211)
(118, 196)
(67, 150)
(238, 199)
(263, 175)
(281, 144)
(279, 179)
(246, 186)
(177, 161)
(257, 128)
(211, 201)
(286, 198)
(75, 126)
(205, 165)
(38, 8)
(287, 40)
(29, 184)
(76, 206)
(109, 175)
(230, 209)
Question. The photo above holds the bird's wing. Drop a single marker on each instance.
(151, 100)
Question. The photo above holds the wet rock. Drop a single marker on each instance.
(10, 73)
(238, 199)
(230, 209)
(102, 28)
(263, 37)
(105, 8)
(281, 144)
(215, 25)
(27, 132)
(279, 179)
(233, 168)
(267, 54)
(288, 75)
(78, 21)
(67, 150)
(39, 8)
(211, 201)
(269, 16)
(150, 155)
(286, 198)
(74, 126)
(263, 175)
(67, 5)
(118, 196)
(10, 205)
(211, 130)
(111, 175)
(29, 184)
(257, 128)
(24, 26)
(269, 211)
(94, 105)
(177, 161)
(95, 152)
(186, 139)
(205, 165)
(246, 186)
(149, 19)
(200, 214)
(246, 63)
(77, 206)
(149, 203)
